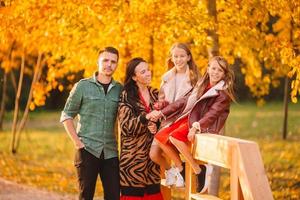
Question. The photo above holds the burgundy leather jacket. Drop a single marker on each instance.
(211, 110)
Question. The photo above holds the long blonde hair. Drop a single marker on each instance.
(194, 73)
(228, 77)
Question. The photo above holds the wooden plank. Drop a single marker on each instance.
(198, 196)
(252, 175)
(214, 148)
(166, 192)
(235, 189)
(188, 181)
(248, 178)
(217, 150)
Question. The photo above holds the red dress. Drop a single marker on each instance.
(157, 196)
(178, 130)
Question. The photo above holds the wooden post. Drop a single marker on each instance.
(188, 181)
(236, 192)
(242, 157)
(165, 190)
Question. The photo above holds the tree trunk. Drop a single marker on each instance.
(16, 110)
(285, 107)
(151, 52)
(3, 100)
(286, 83)
(213, 51)
(212, 34)
(4, 88)
(35, 79)
(13, 80)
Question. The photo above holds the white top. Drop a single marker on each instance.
(179, 79)
(175, 85)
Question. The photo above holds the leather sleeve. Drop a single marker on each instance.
(174, 108)
(219, 107)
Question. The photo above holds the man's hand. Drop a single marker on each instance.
(70, 128)
(79, 145)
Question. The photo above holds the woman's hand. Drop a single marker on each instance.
(154, 115)
(152, 127)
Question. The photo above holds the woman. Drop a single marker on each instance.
(205, 110)
(140, 177)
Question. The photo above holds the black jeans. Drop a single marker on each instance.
(88, 167)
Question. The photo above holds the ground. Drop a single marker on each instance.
(13, 191)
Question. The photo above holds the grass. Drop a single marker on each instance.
(45, 156)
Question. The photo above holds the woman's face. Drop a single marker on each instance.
(215, 72)
(142, 74)
(180, 59)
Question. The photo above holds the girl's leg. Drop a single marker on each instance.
(185, 151)
(156, 155)
(172, 153)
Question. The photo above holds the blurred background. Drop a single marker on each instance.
(48, 45)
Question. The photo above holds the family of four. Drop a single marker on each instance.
(155, 124)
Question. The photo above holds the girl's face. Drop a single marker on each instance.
(180, 59)
(215, 72)
(142, 74)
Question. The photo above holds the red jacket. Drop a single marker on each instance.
(210, 110)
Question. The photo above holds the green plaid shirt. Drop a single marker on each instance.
(96, 115)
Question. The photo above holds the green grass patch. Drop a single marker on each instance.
(45, 156)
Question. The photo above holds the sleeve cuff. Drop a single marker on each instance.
(196, 125)
(162, 114)
(64, 117)
(143, 119)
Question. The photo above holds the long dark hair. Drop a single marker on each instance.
(130, 85)
(194, 74)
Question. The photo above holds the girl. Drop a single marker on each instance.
(177, 82)
(139, 176)
(205, 110)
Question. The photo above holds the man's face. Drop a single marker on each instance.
(107, 63)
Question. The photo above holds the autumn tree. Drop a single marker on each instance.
(61, 39)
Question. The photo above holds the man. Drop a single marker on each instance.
(95, 101)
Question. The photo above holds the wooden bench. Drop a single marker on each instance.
(248, 180)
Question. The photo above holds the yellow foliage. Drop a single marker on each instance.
(32, 106)
(70, 33)
(61, 88)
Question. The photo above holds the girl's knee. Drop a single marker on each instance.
(154, 153)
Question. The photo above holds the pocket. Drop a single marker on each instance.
(114, 100)
(78, 160)
(91, 104)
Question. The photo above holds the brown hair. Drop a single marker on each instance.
(228, 77)
(110, 50)
(194, 73)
